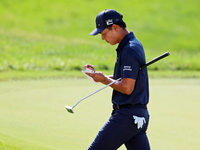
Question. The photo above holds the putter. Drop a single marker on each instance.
(70, 109)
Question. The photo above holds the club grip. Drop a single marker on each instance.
(155, 59)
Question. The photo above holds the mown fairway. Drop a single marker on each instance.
(33, 116)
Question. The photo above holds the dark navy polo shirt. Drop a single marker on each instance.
(130, 57)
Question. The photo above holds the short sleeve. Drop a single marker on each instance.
(130, 64)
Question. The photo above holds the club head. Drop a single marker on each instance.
(69, 109)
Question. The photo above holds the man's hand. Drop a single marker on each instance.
(97, 76)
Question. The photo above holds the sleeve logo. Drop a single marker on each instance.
(127, 68)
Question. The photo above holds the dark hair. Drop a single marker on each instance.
(122, 25)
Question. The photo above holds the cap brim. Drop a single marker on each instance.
(97, 31)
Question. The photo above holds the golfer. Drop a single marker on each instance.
(129, 119)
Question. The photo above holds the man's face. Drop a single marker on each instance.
(109, 36)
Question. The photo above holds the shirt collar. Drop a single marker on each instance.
(124, 40)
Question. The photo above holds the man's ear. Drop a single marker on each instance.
(115, 27)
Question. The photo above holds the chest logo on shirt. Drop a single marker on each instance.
(127, 68)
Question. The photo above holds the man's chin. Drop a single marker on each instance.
(113, 43)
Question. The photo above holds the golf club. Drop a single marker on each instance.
(70, 109)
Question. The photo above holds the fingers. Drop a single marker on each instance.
(94, 74)
(97, 76)
(90, 74)
(89, 66)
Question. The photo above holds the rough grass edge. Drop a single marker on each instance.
(29, 75)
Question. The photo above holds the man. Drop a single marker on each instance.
(129, 120)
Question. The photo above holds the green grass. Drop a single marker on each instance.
(54, 35)
(33, 116)
(7, 147)
(34, 75)
(50, 40)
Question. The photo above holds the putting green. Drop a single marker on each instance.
(33, 115)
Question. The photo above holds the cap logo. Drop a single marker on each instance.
(109, 22)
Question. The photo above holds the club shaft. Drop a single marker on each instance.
(96, 91)
(155, 59)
